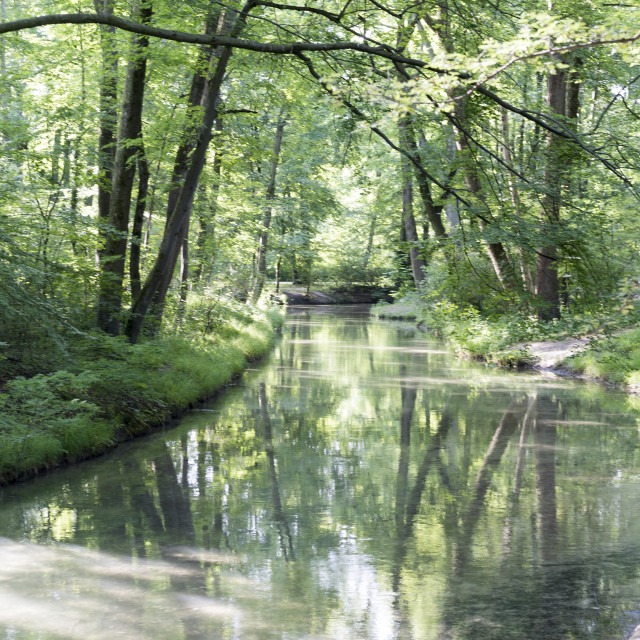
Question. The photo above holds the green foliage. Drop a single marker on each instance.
(115, 390)
(502, 339)
(46, 419)
(614, 359)
(478, 337)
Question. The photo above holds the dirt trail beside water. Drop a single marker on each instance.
(550, 354)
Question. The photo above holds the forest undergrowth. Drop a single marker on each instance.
(100, 390)
(612, 354)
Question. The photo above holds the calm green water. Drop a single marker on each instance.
(362, 483)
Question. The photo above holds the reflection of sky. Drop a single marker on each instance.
(365, 607)
(71, 592)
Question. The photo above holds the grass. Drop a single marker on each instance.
(502, 340)
(612, 359)
(406, 308)
(112, 391)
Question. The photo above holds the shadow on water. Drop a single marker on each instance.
(363, 484)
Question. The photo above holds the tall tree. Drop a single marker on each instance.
(112, 260)
(263, 243)
(108, 112)
(563, 102)
(158, 280)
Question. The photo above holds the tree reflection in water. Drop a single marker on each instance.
(361, 484)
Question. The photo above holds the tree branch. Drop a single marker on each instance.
(361, 116)
(292, 48)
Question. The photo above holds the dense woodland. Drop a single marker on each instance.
(159, 157)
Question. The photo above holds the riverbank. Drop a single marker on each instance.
(112, 391)
(611, 358)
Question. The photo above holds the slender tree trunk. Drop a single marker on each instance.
(369, 250)
(409, 143)
(167, 253)
(497, 253)
(278, 265)
(409, 224)
(207, 218)
(138, 222)
(547, 285)
(261, 261)
(113, 256)
(108, 116)
(432, 212)
(515, 198)
(198, 96)
(408, 219)
(184, 276)
(73, 200)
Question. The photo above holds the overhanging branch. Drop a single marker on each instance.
(291, 48)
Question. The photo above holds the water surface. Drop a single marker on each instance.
(361, 483)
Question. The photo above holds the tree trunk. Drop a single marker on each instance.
(113, 255)
(184, 277)
(408, 219)
(167, 252)
(207, 218)
(432, 212)
(261, 261)
(369, 250)
(547, 285)
(515, 197)
(409, 224)
(108, 116)
(198, 97)
(138, 222)
(497, 253)
(278, 265)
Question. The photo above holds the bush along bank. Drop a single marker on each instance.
(502, 340)
(111, 391)
(614, 360)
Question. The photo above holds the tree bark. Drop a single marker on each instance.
(207, 218)
(261, 258)
(547, 284)
(515, 197)
(369, 250)
(198, 96)
(138, 223)
(432, 212)
(408, 219)
(108, 118)
(167, 252)
(497, 253)
(112, 260)
(184, 276)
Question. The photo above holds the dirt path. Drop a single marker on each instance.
(550, 354)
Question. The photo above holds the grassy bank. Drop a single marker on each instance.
(614, 360)
(502, 340)
(110, 391)
(469, 334)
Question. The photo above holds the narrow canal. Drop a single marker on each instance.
(361, 483)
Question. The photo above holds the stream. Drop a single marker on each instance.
(359, 483)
